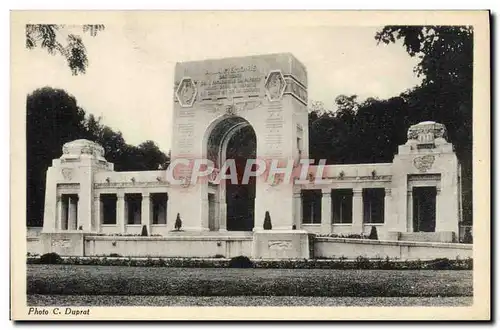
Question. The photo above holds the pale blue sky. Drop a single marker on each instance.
(129, 81)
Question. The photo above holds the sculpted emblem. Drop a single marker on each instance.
(67, 173)
(186, 92)
(280, 245)
(275, 85)
(424, 163)
(186, 181)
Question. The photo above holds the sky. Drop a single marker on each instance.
(129, 81)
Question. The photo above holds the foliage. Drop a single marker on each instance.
(240, 262)
(144, 231)
(370, 131)
(446, 65)
(267, 221)
(50, 259)
(351, 235)
(373, 233)
(362, 263)
(50, 37)
(178, 222)
(219, 261)
(467, 236)
(53, 118)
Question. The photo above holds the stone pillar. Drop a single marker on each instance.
(205, 221)
(72, 213)
(146, 211)
(388, 221)
(222, 207)
(409, 211)
(438, 212)
(59, 215)
(97, 213)
(120, 211)
(357, 210)
(297, 200)
(326, 211)
(64, 213)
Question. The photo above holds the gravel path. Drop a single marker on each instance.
(77, 300)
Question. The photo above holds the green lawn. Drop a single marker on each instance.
(153, 281)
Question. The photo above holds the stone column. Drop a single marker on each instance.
(222, 207)
(146, 211)
(97, 213)
(120, 211)
(58, 223)
(297, 200)
(409, 211)
(64, 214)
(388, 221)
(326, 211)
(357, 210)
(72, 213)
(438, 212)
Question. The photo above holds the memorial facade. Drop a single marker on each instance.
(249, 115)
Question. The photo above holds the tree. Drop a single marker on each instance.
(446, 65)
(373, 233)
(267, 221)
(53, 118)
(144, 231)
(152, 156)
(49, 37)
(178, 222)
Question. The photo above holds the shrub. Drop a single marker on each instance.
(441, 264)
(294, 227)
(178, 222)
(240, 262)
(219, 256)
(116, 255)
(467, 236)
(373, 233)
(144, 231)
(267, 222)
(362, 263)
(50, 259)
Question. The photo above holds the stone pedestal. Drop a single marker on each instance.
(64, 244)
(281, 244)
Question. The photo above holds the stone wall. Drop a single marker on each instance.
(174, 246)
(74, 244)
(353, 248)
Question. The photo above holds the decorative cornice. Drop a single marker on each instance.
(131, 184)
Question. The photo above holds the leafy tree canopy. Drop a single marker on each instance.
(57, 41)
(54, 118)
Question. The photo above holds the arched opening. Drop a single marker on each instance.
(232, 138)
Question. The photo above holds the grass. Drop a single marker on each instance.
(157, 281)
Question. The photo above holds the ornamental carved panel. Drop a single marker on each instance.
(280, 245)
(424, 163)
(186, 92)
(275, 85)
(67, 173)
